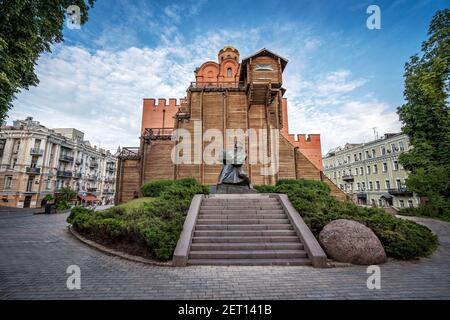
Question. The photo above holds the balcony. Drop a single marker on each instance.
(93, 164)
(217, 84)
(108, 191)
(158, 134)
(348, 177)
(92, 177)
(33, 170)
(66, 158)
(77, 175)
(64, 174)
(36, 152)
(402, 191)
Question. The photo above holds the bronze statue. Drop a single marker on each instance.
(233, 173)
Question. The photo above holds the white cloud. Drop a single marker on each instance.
(100, 91)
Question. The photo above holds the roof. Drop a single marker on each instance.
(266, 52)
(262, 52)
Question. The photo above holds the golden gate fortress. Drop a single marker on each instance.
(228, 94)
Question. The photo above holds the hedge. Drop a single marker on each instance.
(154, 225)
(402, 239)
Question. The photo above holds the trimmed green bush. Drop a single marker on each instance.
(401, 239)
(153, 223)
(155, 188)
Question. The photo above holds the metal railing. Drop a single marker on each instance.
(33, 170)
(65, 157)
(64, 173)
(36, 151)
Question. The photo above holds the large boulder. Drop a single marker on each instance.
(350, 241)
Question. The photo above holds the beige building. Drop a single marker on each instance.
(370, 172)
(36, 161)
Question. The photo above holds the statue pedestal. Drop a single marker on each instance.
(233, 188)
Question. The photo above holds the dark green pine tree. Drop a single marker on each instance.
(426, 119)
(27, 29)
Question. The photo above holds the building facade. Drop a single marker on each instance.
(36, 161)
(370, 172)
(227, 94)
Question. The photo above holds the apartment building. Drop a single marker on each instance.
(36, 161)
(370, 172)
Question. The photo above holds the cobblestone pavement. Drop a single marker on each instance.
(35, 251)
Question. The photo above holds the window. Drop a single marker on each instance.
(377, 184)
(264, 67)
(384, 166)
(47, 184)
(394, 147)
(410, 203)
(367, 154)
(388, 184)
(399, 184)
(375, 168)
(229, 72)
(356, 158)
(358, 186)
(8, 182)
(361, 170)
(348, 159)
(383, 150)
(401, 146)
(2, 146)
(356, 171)
(402, 204)
(373, 202)
(363, 186)
(373, 153)
(380, 202)
(370, 185)
(30, 184)
(368, 169)
(395, 165)
(360, 156)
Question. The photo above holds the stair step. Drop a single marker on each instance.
(241, 211)
(244, 227)
(247, 246)
(242, 207)
(247, 239)
(251, 262)
(201, 221)
(237, 233)
(242, 216)
(248, 254)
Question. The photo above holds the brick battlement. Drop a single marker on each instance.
(161, 103)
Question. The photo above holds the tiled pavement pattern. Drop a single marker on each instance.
(36, 250)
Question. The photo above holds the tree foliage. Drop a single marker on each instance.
(425, 115)
(27, 29)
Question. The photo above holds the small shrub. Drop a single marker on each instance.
(155, 188)
(427, 211)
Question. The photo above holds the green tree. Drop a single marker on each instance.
(425, 115)
(27, 29)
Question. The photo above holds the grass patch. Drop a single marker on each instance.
(149, 227)
(401, 239)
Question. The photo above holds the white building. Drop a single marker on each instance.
(36, 161)
(370, 172)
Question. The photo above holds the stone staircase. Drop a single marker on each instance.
(244, 229)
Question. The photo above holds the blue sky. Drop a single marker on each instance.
(342, 79)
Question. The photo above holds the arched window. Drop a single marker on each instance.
(229, 72)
